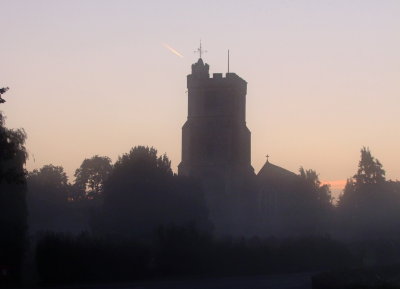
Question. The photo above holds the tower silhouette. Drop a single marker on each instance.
(215, 138)
(216, 143)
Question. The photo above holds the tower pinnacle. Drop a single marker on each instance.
(200, 50)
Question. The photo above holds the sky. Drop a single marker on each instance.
(99, 77)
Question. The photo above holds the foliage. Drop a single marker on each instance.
(63, 258)
(377, 277)
(90, 177)
(143, 161)
(179, 251)
(305, 206)
(13, 212)
(370, 170)
(13, 154)
(49, 184)
(320, 193)
(368, 207)
(2, 91)
(47, 198)
(141, 193)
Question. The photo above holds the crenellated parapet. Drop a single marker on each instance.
(215, 132)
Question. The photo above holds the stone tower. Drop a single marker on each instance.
(216, 141)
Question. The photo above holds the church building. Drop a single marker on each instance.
(216, 149)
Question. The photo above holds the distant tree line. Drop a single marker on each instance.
(138, 199)
(139, 193)
(128, 199)
(161, 222)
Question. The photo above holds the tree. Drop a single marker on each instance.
(321, 193)
(13, 212)
(313, 203)
(142, 193)
(369, 169)
(3, 90)
(91, 175)
(144, 161)
(49, 184)
(47, 197)
(13, 154)
(370, 177)
(369, 205)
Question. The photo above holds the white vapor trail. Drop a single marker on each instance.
(172, 50)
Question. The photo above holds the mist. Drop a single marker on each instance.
(265, 159)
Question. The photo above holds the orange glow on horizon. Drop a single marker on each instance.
(336, 184)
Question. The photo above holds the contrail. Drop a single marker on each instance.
(172, 50)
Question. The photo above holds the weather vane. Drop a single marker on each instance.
(3, 90)
(200, 50)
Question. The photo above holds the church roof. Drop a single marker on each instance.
(271, 171)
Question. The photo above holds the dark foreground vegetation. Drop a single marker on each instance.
(136, 220)
(382, 277)
(180, 252)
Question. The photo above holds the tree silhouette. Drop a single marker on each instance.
(369, 205)
(312, 204)
(91, 175)
(2, 91)
(321, 193)
(141, 193)
(369, 169)
(50, 184)
(370, 176)
(13, 212)
(144, 161)
(47, 197)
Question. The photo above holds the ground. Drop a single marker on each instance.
(284, 281)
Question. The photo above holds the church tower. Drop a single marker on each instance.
(216, 141)
(215, 137)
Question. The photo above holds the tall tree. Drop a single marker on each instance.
(13, 212)
(142, 193)
(91, 175)
(369, 205)
(370, 170)
(370, 176)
